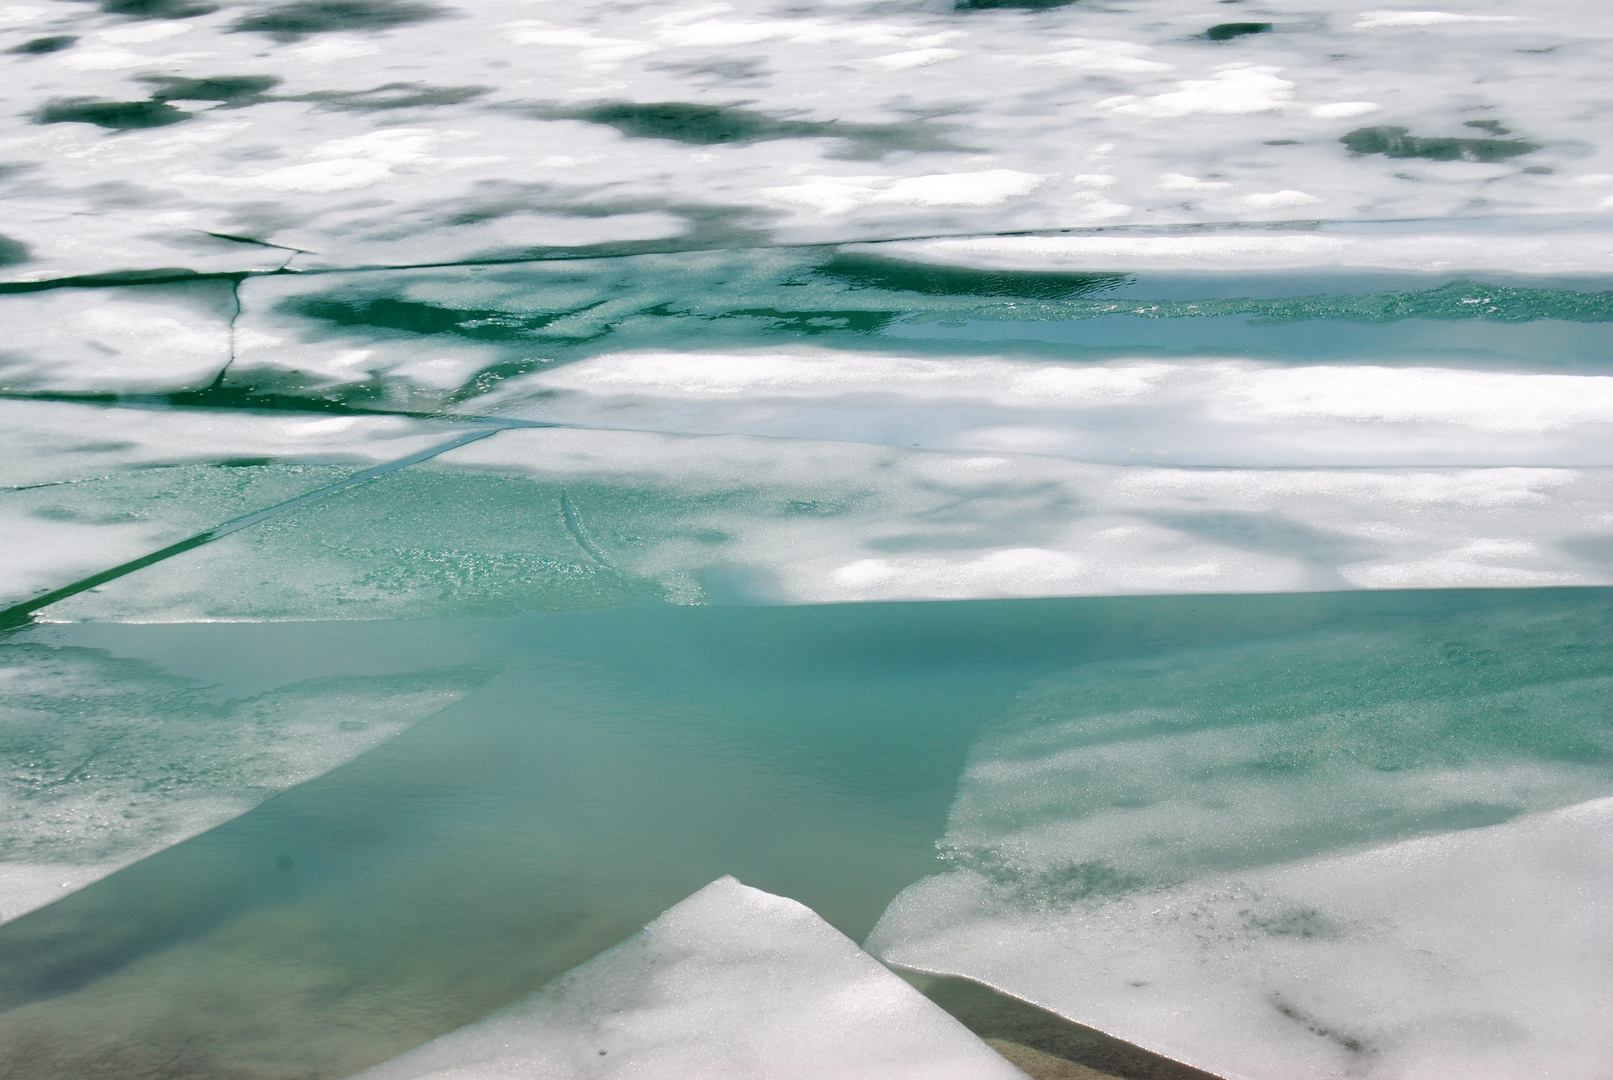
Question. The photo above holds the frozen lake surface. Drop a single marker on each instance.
(700, 540)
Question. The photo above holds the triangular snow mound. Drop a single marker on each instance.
(1479, 953)
(732, 982)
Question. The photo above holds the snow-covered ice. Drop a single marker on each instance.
(342, 135)
(1376, 853)
(732, 982)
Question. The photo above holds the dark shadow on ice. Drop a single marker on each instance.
(1012, 1026)
(167, 275)
(1013, 5)
(397, 95)
(1272, 534)
(157, 9)
(713, 125)
(44, 45)
(1228, 31)
(1398, 142)
(239, 91)
(289, 22)
(233, 91)
(1356, 1046)
(725, 69)
(113, 115)
(870, 271)
(1597, 549)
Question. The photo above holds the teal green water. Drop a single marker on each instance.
(531, 315)
(614, 761)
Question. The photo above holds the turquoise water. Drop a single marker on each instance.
(519, 319)
(614, 761)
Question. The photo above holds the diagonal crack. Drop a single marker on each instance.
(630, 249)
(20, 615)
(579, 532)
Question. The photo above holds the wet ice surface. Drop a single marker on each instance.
(109, 759)
(813, 303)
(562, 520)
(620, 759)
(1021, 433)
(86, 488)
(1482, 952)
(729, 982)
(1203, 854)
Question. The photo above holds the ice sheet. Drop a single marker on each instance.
(89, 487)
(456, 337)
(353, 137)
(108, 759)
(131, 339)
(558, 519)
(1482, 952)
(1205, 413)
(862, 300)
(1348, 853)
(1543, 248)
(732, 982)
(56, 442)
(51, 241)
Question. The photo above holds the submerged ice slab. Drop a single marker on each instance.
(618, 760)
(108, 758)
(1330, 855)
(732, 982)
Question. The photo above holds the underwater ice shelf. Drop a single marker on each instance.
(1280, 756)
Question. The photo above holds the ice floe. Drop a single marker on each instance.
(1252, 861)
(1209, 412)
(1562, 251)
(1474, 952)
(127, 339)
(732, 982)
